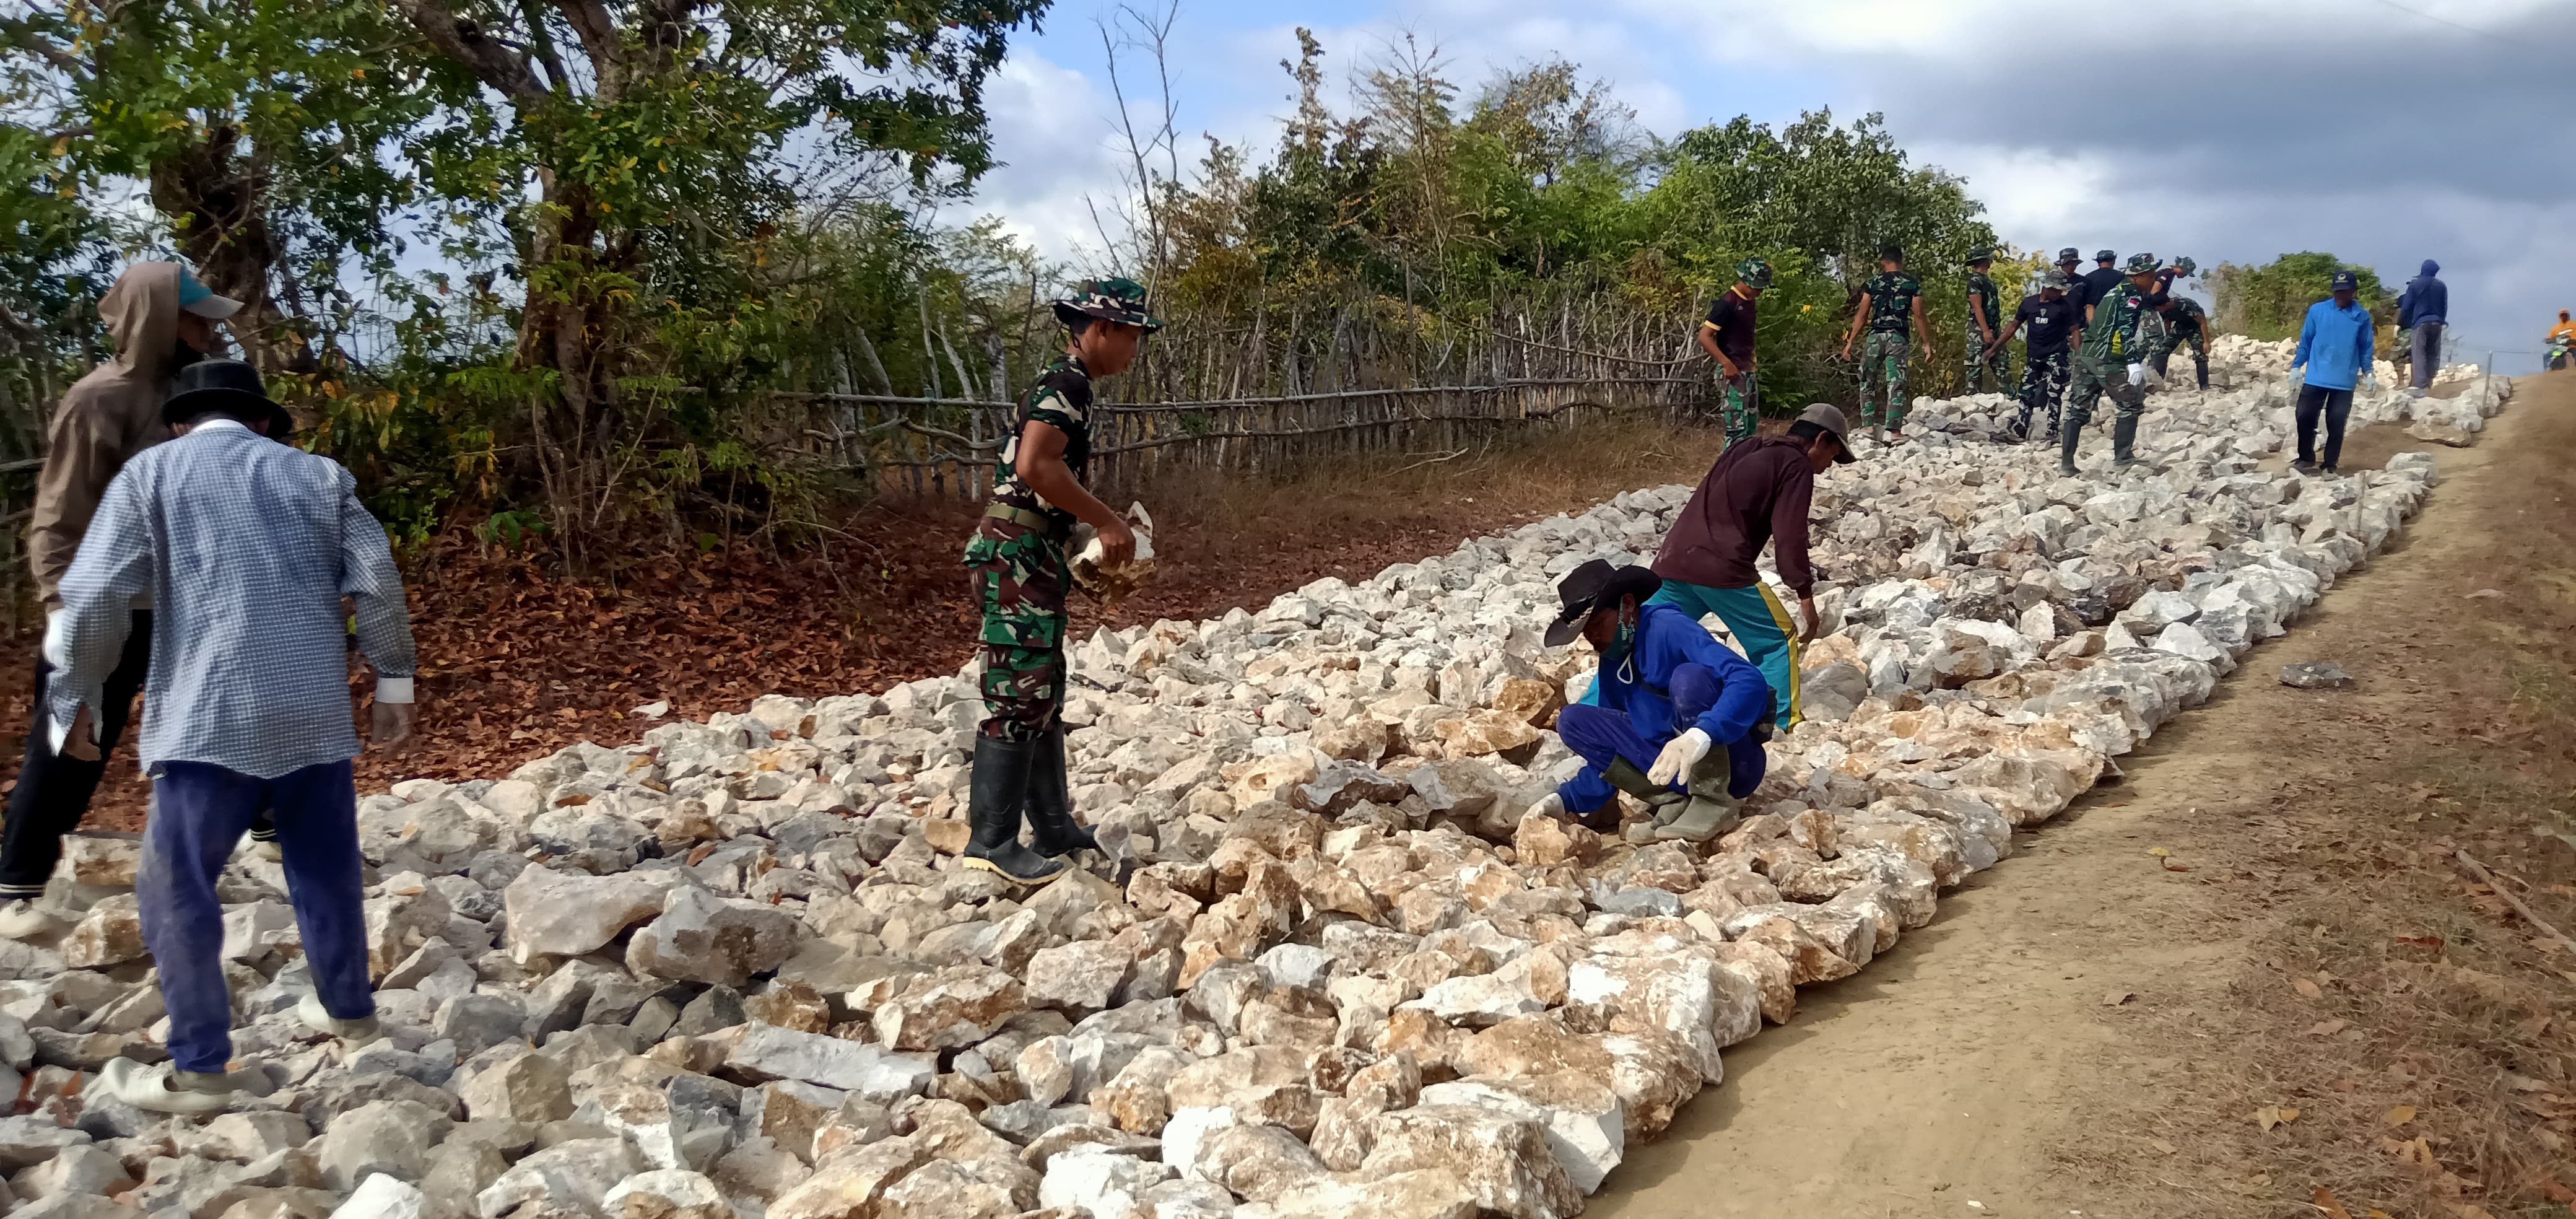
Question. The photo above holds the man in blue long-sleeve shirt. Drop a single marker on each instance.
(2335, 349)
(2422, 310)
(1676, 719)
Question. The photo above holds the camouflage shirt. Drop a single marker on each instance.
(1062, 400)
(1982, 295)
(1891, 301)
(2124, 330)
(2187, 318)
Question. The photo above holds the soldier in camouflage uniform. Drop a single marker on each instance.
(1017, 564)
(1891, 300)
(2185, 322)
(1727, 336)
(1986, 358)
(2047, 320)
(2125, 333)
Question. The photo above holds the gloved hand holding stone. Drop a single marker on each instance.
(1684, 752)
(1549, 805)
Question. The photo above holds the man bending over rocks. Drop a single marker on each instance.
(246, 547)
(1674, 718)
(1016, 561)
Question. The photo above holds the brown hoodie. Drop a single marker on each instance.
(105, 417)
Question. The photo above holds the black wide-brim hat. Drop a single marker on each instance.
(227, 387)
(1590, 587)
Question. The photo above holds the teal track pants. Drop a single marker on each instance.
(1763, 631)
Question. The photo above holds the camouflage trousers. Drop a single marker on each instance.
(1735, 398)
(1979, 370)
(1020, 580)
(1883, 353)
(2199, 357)
(2043, 379)
(2094, 378)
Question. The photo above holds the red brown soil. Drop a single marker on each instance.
(518, 660)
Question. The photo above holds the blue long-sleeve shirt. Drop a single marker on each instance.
(2334, 344)
(2427, 299)
(1640, 682)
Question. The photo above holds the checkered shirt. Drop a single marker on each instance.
(246, 546)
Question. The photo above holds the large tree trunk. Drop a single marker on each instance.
(215, 199)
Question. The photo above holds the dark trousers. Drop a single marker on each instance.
(2427, 353)
(198, 812)
(1601, 736)
(2335, 405)
(54, 791)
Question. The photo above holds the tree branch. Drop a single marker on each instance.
(464, 42)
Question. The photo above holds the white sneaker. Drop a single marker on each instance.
(355, 1032)
(21, 920)
(162, 1088)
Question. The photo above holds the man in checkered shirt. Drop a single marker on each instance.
(246, 546)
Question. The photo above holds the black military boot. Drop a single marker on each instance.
(1052, 830)
(2124, 439)
(998, 790)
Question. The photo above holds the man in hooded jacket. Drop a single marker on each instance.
(2421, 310)
(159, 319)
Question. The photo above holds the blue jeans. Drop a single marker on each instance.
(1762, 628)
(1600, 735)
(199, 813)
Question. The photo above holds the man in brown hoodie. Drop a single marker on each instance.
(159, 319)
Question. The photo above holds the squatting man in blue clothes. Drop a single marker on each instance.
(1677, 719)
(247, 547)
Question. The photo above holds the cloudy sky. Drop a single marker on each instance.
(2385, 131)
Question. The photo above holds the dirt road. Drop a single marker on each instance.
(2085, 1031)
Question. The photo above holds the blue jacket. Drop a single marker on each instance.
(2334, 344)
(1637, 683)
(2426, 300)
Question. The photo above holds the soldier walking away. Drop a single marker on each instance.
(160, 320)
(2185, 322)
(1674, 718)
(2126, 332)
(2049, 320)
(1891, 301)
(1727, 336)
(1986, 356)
(1758, 493)
(2104, 275)
(2334, 354)
(2422, 310)
(1017, 564)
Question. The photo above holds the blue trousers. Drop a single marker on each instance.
(1762, 629)
(199, 813)
(1600, 735)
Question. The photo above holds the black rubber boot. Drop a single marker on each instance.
(998, 790)
(1052, 830)
(2124, 440)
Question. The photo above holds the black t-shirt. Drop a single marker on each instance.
(2046, 323)
(1733, 316)
(2098, 281)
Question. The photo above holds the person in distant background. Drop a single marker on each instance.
(2335, 351)
(1727, 337)
(2564, 329)
(2051, 318)
(1890, 301)
(1987, 356)
(2423, 309)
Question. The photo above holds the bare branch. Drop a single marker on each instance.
(463, 41)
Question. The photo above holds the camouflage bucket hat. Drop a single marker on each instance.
(1116, 299)
(2059, 280)
(2141, 264)
(1754, 272)
(2186, 266)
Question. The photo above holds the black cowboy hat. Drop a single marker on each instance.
(225, 387)
(1594, 586)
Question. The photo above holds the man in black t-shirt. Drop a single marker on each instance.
(2050, 319)
(1727, 336)
(2104, 276)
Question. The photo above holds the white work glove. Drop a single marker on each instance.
(2370, 377)
(1684, 752)
(1549, 805)
(391, 721)
(2137, 375)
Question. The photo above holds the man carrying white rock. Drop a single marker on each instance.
(1675, 718)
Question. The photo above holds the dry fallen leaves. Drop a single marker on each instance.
(2326, 1028)
(2326, 1203)
(2307, 989)
(2398, 1115)
(2270, 1116)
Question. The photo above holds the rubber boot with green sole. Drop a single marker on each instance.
(1052, 830)
(1709, 811)
(998, 790)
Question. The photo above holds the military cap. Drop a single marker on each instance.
(2141, 264)
(1980, 254)
(1115, 299)
(2068, 255)
(1754, 272)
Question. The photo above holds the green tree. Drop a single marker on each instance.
(2271, 301)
